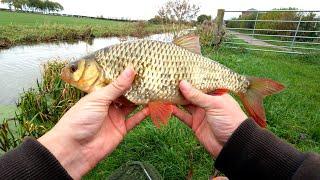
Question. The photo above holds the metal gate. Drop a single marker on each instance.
(283, 31)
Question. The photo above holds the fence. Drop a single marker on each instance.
(296, 40)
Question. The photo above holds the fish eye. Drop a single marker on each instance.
(73, 68)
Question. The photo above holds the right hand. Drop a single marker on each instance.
(212, 118)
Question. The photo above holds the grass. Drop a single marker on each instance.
(22, 28)
(293, 115)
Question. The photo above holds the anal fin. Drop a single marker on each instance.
(160, 112)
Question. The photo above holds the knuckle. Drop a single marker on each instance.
(194, 94)
(118, 86)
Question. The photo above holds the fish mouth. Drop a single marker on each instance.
(65, 75)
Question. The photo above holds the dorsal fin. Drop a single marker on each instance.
(189, 42)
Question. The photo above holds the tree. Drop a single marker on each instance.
(57, 7)
(9, 2)
(157, 20)
(34, 5)
(20, 4)
(203, 17)
(178, 10)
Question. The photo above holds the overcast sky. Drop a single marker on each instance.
(146, 9)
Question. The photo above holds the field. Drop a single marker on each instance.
(20, 28)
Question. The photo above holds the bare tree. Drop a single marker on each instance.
(178, 10)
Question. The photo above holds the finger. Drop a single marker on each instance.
(220, 178)
(195, 96)
(128, 109)
(190, 108)
(137, 118)
(124, 101)
(183, 116)
(118, 86)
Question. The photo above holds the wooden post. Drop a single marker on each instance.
(218, 32)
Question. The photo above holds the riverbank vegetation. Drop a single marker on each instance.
(25, 28)
(292, 115)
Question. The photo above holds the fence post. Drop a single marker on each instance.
(296, 32)
(255, 23)
(218, 27)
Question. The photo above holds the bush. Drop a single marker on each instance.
(205, 32)
(157, 20)
(140, 29)
(202, 18)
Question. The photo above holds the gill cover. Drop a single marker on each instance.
(85, 75)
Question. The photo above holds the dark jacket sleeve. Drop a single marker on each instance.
(31, 160)
(255, 153)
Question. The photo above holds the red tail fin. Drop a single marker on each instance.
(252, 99)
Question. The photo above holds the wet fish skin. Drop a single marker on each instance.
(160, 67)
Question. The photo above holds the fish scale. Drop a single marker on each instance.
(161, 66)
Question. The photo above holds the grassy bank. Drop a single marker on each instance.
(293, 115)
(23, 28)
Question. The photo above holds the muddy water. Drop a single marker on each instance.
(20, 66)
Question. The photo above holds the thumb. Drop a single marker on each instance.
(118, 87)
(195, 96)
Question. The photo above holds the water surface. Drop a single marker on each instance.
(20, 66)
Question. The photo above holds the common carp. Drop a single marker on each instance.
(160, 67)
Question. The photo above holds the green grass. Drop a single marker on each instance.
(33, 19)
(19, 28)
(171, 149)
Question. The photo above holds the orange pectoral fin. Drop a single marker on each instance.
(219, 92)
(160, 111)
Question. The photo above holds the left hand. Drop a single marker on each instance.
(93, 127)
(212, 118)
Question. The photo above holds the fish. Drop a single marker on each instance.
(159, 67)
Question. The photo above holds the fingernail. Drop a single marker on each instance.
(128, 72)
(184, 85)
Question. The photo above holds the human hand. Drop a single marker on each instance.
(93, 127)
(212, 118)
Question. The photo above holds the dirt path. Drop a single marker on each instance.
(257, 42)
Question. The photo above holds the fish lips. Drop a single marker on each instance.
(65, 75)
